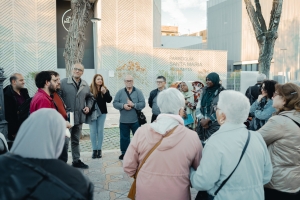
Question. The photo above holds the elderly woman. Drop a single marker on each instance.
(32, 171)
(168, 165)
(190, 101)
(282, 136)
(261, 110)
(233, 150)
(207, 121)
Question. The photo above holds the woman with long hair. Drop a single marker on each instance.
(282, 136)
(102, 96)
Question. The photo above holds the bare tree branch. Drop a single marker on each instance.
(260, 16)
(265, 37)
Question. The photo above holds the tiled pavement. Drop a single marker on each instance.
(107, 174)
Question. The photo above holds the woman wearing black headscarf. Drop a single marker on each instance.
(206, 115)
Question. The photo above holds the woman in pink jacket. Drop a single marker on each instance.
(165, 174)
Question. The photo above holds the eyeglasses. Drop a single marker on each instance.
(128, 81)
(159, 82)
(263, 88)
(275, 94)
(77, 69)
(216, 108)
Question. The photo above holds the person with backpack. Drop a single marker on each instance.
(16, 105)
(253, 92)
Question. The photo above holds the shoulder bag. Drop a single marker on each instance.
(203, 195)
(140, 115)
(132, 191)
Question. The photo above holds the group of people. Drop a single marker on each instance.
(216, 153)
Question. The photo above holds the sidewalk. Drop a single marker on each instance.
(110, 181)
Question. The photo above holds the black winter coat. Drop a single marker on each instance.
(153, 94)
(28, 178)
(11, 109)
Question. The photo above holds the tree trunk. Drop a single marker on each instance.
(265, 37)
(80, 17)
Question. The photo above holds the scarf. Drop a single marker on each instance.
(210, 91)
(41, 136)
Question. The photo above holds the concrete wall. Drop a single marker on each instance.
(27, 38)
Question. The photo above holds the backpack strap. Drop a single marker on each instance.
(243, 152)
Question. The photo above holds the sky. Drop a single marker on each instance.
(188, 15)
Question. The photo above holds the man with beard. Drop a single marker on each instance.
(61, 108)
(46, 85)
(15, 96)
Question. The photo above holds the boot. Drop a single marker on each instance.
(94, 154)
(99, 154)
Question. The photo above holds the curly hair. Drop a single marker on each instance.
(291, 95)
(269, 87)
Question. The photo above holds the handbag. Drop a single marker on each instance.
(132, 191)
(140, 115)
(92, 108)
(203, 195)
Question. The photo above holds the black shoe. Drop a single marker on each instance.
(80, 164)
(94, 154)
(121, 157)
(99, 154)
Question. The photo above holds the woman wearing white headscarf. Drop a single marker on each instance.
(32, 165)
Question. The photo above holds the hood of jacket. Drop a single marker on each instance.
(159, 128)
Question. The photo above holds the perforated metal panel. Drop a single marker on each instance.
(27, 38)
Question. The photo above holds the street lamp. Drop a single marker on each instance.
(94, 21)
(283, 65)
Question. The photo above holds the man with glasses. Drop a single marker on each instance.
(76, 94)
(128, 116)
(161, 85)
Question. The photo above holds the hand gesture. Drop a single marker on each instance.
(103, 90)
(130, 103)
(127, 107)
(260, 97)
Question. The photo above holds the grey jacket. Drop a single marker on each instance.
(94, 115)
(129, 116)
(76, 100)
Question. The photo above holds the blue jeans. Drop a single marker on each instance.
(97, 132)
(125, 134)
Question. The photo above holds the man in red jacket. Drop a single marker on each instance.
(46, 85)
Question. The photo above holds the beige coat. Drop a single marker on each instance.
(282, 137)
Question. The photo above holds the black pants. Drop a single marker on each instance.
(153, 118)
(271, 194)
(64, 154)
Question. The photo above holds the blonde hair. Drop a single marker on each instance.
(93, 88)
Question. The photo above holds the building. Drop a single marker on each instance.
(128, 41)
(169, 31)
(230, 29)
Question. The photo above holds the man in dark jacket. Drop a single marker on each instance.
(14, 96)
(253, 92)
(161, 83)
